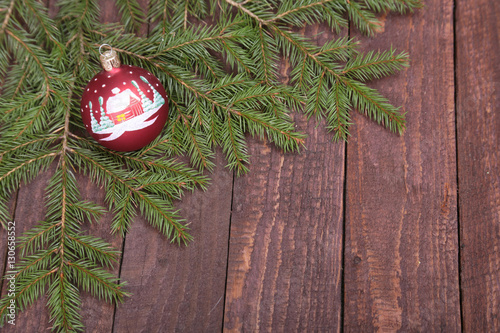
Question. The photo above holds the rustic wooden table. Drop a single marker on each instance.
(384, 233)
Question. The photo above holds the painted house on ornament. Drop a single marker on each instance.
(123, 106)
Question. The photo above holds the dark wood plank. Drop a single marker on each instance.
(97, 315)
(5, 253)
(284, 269)
(478, 134)
(109, 12)
(4, 234)
(176, 288)
(30, 209)
(285, 253)
(401, 255)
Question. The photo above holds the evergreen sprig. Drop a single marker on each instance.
(218, 61)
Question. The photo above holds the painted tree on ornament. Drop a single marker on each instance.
(157, 98)
(93, 122)
(147, 105)
(105, 121)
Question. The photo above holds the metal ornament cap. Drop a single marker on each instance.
(109, 59)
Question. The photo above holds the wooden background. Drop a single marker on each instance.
(386, 233)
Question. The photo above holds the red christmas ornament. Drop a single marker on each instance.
(123, 107)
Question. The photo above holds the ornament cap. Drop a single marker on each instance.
(109, 59)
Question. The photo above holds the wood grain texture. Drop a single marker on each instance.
(284, 269)
(401, 255)
(478, 131)
(401, 260)
(285, 253)
(179, 288)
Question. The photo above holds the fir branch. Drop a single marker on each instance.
(35, 262)
(157, 166)
(400, 6)
(185, 15)
(202, 41)
(12, 149)
(375, 65)
(33, 55)
(159, 11)
(306, 12)
(97, 281)
(158, 213)
(297, 8)
(124, 213)
(39, 12)
(199, 151)
(85, 210)
(37, 237)
(318, 93)
(340, 49)
(233, 57)
(34, 118)
(241, 7)
(237, 147)
(15, 170)
(362, 67)
(63, 302)
(131, 14)
(363, 98)
(338, 119)
(32, 281)
(157, 146)
(7, 17)
(362, 18)
(95, 249)
(369, 101)
(267, 61)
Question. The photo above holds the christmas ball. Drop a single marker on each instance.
(124, 107)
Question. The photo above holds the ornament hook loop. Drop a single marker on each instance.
(100, 47)
(109, 59)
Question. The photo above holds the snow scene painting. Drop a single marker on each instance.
(125, 111)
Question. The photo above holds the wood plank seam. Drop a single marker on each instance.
(456, 154)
